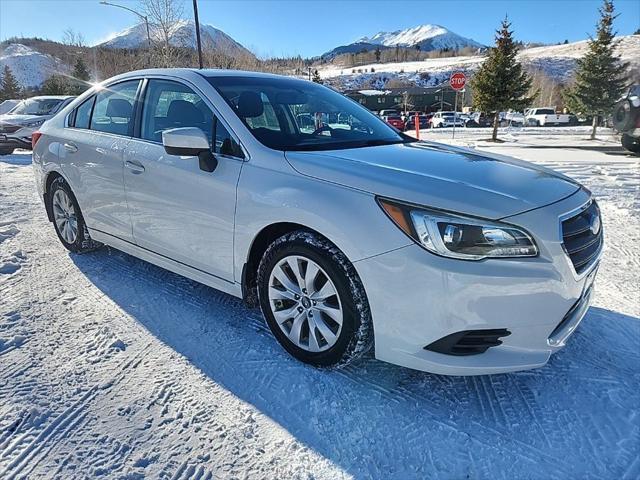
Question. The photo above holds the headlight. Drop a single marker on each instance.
(456, 236)
(35, 123)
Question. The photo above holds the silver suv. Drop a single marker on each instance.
(17, 125)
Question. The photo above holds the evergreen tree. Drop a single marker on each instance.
(55, 85)
(377, 53)
(9, 86)
(80, 70)
(501, 83)
(316, 77)
(600, 75)
(80, 77)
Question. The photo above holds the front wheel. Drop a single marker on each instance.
(630, 143)
(67, 218)
(313, 300)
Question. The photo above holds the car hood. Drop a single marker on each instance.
(440, 176)
(21, 119)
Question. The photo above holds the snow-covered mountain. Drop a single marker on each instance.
(182, 35)
(427, 37)
(30, 67)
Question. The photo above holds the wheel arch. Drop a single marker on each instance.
(49, 179)
(259, 245)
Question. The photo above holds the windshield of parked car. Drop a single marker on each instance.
(291, 114)
(36, 106)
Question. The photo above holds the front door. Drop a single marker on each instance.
(178, 210)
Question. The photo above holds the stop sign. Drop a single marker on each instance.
(457, 80)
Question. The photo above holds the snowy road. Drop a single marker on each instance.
(111, 367)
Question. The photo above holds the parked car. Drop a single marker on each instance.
(409, 114)
(423, 122)
(395, 121)
(626, 119)
(17, 125)
(387, 112)
(479, 119)
(541, 117)
(511, 119)
(448, 260)
(7, 105)
(446, 119)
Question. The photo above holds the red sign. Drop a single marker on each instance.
(457, 80)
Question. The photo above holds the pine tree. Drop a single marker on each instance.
(9, 86)
(501, 82)
(80, 70)
(79, 81)
(600, 75)
(55, 85)
(316, 77)
(377, 53)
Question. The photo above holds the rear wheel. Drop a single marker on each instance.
(67, 218)
(313, 300)
(630, 143)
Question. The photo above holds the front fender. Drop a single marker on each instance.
(349, 218)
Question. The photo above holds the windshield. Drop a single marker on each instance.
(36, 106)
(290, 114)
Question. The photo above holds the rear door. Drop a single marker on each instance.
(92, 157)
(177, 209)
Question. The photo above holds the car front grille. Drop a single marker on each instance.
(8, 128)
(582, 236)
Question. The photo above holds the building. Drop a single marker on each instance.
(405, 99)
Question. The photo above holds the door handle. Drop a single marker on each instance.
(71, 147)
(135, 167)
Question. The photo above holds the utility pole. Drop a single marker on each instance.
(195, 14)
(143, 17)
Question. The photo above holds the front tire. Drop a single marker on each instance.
(67, 218)
(630, 143)
(313, 300)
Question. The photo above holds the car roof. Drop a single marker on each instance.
(50, 97)
(205, 72)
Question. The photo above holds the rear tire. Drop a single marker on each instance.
(630, 143)
(68, 221)
(325, 297)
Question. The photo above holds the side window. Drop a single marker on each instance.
(83, 113)
(225, 143)
(113, 110)
(170, 104)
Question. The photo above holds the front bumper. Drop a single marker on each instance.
(417, 298)
(19, 139)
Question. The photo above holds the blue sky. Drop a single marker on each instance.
(274, 28)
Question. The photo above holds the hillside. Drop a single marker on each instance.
(30, 67)
(557, 62)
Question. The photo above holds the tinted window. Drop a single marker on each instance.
(173, 105)
(225, 143)
(113, 110)
(83, 114)
(290, 114)
(545, 111)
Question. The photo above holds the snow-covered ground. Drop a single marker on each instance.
(113, 368)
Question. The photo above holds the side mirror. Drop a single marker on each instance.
(190, 142)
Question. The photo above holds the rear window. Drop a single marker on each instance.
(545, 111)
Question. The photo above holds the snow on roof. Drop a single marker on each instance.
(372, 93)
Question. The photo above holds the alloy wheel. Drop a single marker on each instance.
(305, 303)
(64, 215)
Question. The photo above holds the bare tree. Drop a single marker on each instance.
(164, 19)
(72, 38)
